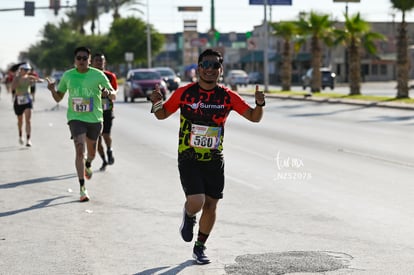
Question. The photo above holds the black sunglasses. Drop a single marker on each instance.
(209, 64)
(84, 58)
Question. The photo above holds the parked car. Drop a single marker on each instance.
(236, 77)
(56, 76)
(255, 78)
(140, 83)
(170, 78)
(327, 76)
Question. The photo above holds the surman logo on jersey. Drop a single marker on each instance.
(202, 105)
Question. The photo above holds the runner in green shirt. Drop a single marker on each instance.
(85, 86)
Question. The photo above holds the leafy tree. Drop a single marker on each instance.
(403, 64)
(96, 8)
(287, 30)
(319, 29)
(126, 35)
(356, 35)
(55, 50)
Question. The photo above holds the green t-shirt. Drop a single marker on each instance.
(84, 102)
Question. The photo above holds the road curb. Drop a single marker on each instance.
(390, 104)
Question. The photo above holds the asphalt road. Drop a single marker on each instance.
(314, 188)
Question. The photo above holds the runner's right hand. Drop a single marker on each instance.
(50, 84)
(156, 94)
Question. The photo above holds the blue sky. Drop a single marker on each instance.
(19, 32)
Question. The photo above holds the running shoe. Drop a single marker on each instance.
(111, 159)
(186, 228)
(83, 194)
(88, 173)
(21, 141)
(29, 143)
(103, 167)
(199, 256)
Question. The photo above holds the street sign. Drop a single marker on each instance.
(129, 56)
(271, 2)
(198, 42)
(251, 44)
(190, 8)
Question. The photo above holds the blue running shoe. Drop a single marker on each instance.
(186, 228)
(199, 256)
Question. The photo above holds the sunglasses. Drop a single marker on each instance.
(209, 64)
(84, 58)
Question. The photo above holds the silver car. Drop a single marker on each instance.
(236, 77)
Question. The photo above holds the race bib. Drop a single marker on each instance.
(23, 99)
(205, 136)
(105, 104)
(82, 105)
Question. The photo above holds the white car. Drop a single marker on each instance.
(236, 77)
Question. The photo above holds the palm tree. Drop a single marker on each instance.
(287, 30)
(356, 35)
(117, 4)
(320, 30)
(402, 48)
(96, 8)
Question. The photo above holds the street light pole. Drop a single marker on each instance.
(265, 50)
(149, 61)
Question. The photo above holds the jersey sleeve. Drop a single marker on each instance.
(173, 102)
(239, 104)
(112, 79)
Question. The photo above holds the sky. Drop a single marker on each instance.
(19, 31)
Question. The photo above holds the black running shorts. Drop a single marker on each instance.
(19, 109)
(107, 122)
(202, 177)
(92, 130)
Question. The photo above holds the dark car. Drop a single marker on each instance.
(255, 78)
(170, 78)
(327, 77)
(140, 83)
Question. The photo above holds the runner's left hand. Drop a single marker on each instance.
(259, 95)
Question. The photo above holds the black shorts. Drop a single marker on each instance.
(202, 177)
(19, 109)
(108, 116)
(92, 130)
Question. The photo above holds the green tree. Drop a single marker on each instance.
(52, 52)
(126, 35)
(55, 50)
(98, 7)
(403, 64)
(286, 30)
(319, 29)
(355, 36)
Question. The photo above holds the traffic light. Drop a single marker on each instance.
(54, 5)
(248, 35)
(29, 8)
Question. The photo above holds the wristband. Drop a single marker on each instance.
(156, 106)
(261, 105)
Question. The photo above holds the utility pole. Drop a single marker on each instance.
(265, 50)
(149, 59)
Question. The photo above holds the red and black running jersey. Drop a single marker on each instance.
(202, 118)
(107, 103)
